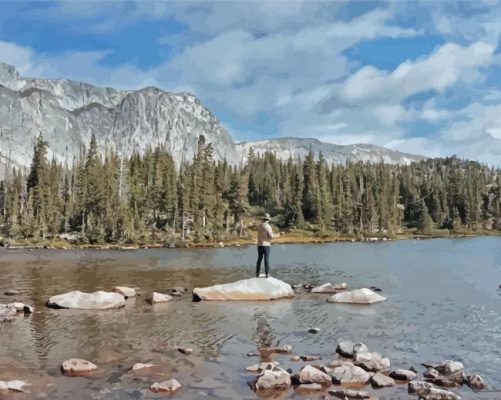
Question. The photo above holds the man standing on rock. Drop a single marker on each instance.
(264, 236)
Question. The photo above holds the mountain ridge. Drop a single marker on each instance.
(68, 112)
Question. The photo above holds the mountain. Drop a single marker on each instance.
(67, 113)
(333, 153)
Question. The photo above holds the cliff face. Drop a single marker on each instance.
(67, 113)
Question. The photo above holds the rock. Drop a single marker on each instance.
(267, 351)
(12, 292)
(350, 374)
(476, 382)
(375, 289)
(309, 374)
(371, 361)
(252, 354)
(246, 289)
(177, 291)
(431, 373)
(314, 330)
(426, 391)
(379, 380)
(87, 301)
(138, 366)
(125, 291)
(276, 379)
(3, 387)
(295, 358)
(350, 394)
(345, 349)
(403, 375)
(309, 386)
(16, 386)
(21, 307)
(446, 367)
(360, 348)
(263, 366)
(357, 296)
(452, 380)
(169, 386)
(7, 312)
(185, 350)
(155, 297)
(329, 288)
(77, 367)
(310, 358)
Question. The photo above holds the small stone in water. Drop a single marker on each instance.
(185, 350)
(314, 330)
(295, 358)
(169, 386)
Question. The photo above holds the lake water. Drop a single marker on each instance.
(443, 303)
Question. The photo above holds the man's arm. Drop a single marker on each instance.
(270, 233)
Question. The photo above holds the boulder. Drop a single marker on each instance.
(426, 391)
(156, 297)
(349, 374)
(403, 375)
(125, 291)
(360, 348)
(329, 288)
(275, 379)
(21, 307)
(77, 367)
(431, 373)
(87, 301)
(345, 349)
(476, 382)
(452, 380)
(379, 380)
(169, 386)
(350, 394)
(357, 296)
(371, 361)
(446, 367)
(246, 289)
(139, 366)
(309, 374)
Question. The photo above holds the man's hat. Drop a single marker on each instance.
(266, 217)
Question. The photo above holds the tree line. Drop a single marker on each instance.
(147, 197)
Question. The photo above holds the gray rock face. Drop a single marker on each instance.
(426, 391)
(350, 374)
(379, 380)
(87, 301)
(69, 112)
(310, 374)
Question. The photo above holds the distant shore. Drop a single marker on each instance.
(287, 238)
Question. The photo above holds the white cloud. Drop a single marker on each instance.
(13, 54)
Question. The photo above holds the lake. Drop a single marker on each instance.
(444, 302)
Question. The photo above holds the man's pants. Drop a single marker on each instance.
(263, 251)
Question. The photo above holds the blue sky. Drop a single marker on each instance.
(422, 77)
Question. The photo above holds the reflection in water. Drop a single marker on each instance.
(443, 303)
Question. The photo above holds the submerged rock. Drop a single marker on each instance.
(14, 385)
(125, 291)
(309, 374)
(12, 292)
(7, 312)
(169, 386)
(329, 288)
(350, 374)
(309, 387)
(262, 366)
(267, 351)
(246, 289)
(77, 367)
(350, 394)
(313, 330)
(139, 366)
(156, 297)
(177, 291)
(357, 296)
(185, 350)
(99, 300)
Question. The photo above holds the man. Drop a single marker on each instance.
(264, 236)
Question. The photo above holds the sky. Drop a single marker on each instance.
(422, 77)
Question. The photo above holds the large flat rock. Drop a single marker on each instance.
(87, 301)
(246, 289)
